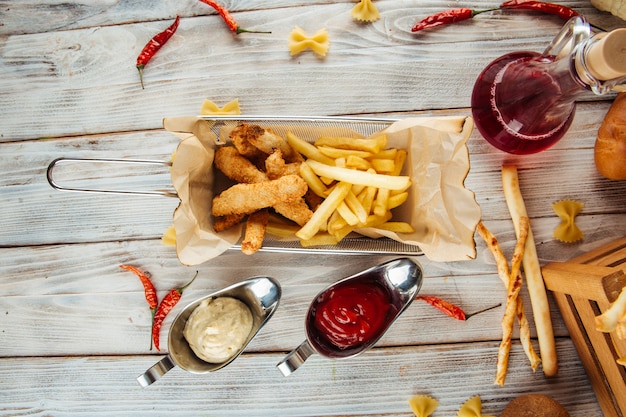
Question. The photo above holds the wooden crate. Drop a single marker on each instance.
(583, 288)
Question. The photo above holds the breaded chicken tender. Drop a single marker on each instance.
(237, 167)
(264, 140)
(239, 138)
(226, 222)
(275, 166)
(248, 198)
(255, 232)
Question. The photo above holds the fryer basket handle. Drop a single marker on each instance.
(59, 161)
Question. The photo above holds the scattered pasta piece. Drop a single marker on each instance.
(472, 408)
(230, 109)
(365, 11)
(567, 210)
(169, 236)
(622, 361)
(423, 405)
(614, 318)
(300, 41)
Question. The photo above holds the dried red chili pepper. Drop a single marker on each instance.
(443, 306)
(447, 17)
(153, 46)
(228, 18)
(563, 12)
(167, 304)
(149, 290)
(451, 309)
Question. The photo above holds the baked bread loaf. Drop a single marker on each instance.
(534, 405)
(615, 7)
(610, 148)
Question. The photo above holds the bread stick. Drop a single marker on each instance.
(532, 270)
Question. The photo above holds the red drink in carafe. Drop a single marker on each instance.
(517, 103)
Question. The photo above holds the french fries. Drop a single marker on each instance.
(532, 271)
(360, 186)
(328, 189)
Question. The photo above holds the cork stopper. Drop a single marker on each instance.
(606, 58)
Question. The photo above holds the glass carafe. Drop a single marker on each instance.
(524, 102)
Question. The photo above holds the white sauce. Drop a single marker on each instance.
(218, 328)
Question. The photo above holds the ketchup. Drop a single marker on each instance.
(351, 315)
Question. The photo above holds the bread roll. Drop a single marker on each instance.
(610, 148)
(534, 405)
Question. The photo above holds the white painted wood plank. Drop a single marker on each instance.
(106, 386)
(84, 80)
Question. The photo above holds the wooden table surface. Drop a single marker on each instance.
(74, 328)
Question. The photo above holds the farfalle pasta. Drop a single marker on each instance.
(472, 408)
(299, 41)
(567, 231)
(365, 11)
(231, 108)
(423, 405)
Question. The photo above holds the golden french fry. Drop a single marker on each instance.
(335, 153)
(347, 214)
(357, 162)
(366, 197)
(281, 230)
(313, 181)
(305, 148)
(532, 270)
(373, 145)
(397, 199)
(397, 227)
(319, 239)
(381, 202)
(384, 166)
(375, 221)
(399, 160)
(386, 154)
(359, 177)
(357, 208)
(324, 211)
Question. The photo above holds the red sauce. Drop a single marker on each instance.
(351, 315)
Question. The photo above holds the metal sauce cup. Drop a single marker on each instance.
(400, 278)
(260, 294)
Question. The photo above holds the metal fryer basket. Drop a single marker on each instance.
(304, 127)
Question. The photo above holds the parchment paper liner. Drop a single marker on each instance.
(442, 211)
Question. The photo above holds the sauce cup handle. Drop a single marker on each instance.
(296, 358)
(156, 371)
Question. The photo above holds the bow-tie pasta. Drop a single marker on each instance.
(230, 109)
(472, 408)
(300, 41)
(567, 210)
(365, 11)
(423, 405)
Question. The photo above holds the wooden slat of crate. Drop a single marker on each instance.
(583, 288)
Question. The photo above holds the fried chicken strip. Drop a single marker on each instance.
(226, 222)
(255, 232)
(236, 167)
(264, 140)
(248, 198)
(275, 166)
